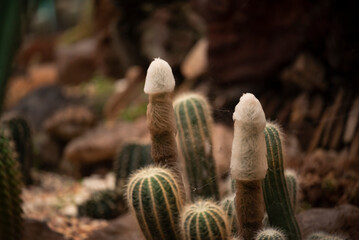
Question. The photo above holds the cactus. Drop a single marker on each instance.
(10, 191)
(131, 157)
(275, 192)
(194, 125)
(270, 234)
(106, 204)
(229, 208)
(204, 220)
(156, 197)
(22, 137)
(323, 236)
(292, 185)
(248, 164)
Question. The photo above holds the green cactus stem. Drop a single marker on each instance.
(204, 220)
(275, 192)
(10, 191)
(194, 125)
(229, 208)
(131, 157)
(270, 234)
(156, 197)
(104, 204)
(323, 236)
(291, 179)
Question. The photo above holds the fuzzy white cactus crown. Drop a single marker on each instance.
(159, 78)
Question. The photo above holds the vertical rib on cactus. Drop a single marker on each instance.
(10, 191)
(276, 196)
(160, 115)
(131, 157)
(204, 220)
(323, 236)
(270, 234)
(157, 199)
(194, 125)
(229, 208)
(248, 164)
(292, 185)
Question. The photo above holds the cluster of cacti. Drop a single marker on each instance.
(106, 204)
(131, 157)
(22, 138)
(204, 220)
(194, 126)
(270, 234)
(323, 236)
(10, 191)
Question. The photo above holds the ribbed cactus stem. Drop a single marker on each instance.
(248, 164)
(270, 234)
(275, 192)
(291, 179)
(160, 115)
(229, 209)
(155, 196)
(204, 220)
(194, 124)
(323, 236)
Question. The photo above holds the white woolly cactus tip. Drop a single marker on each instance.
(249, 161)
(159, 78)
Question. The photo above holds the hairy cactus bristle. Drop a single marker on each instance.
(229, 208)
(131, 157)
(104, 204)
(204, 220)
(275, 192)
(323, 236)
(156, 197)
(22, 137)
(10, 191)
(194, 125)
(270, 234)
(291, 179)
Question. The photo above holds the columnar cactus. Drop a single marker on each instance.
(323, 236)
(106, 204)
(131, 157)
(249, 164)
(194, 125)
(291, 179)
(154, 194)
(22, 137)
(270, 234)
(204, 220)
(275, 192)
(10, 191)
(229, 208)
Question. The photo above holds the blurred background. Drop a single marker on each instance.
(78, 75)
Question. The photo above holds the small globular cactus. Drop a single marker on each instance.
(104, 204)
(194, 125)
(156, 197)
(229, 208)
(204, 220)
(270, 234)
(323, 236)
(130, 158)
(276, 195)
(10, 191)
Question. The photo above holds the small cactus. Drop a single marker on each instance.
(270, 234)
(156, 197)
(10, 191)
(131, 157)
(194, 125)
(323, 236)
(275, 192)
(229, 208)
(291, 179)
(105, 204)
(204, 220)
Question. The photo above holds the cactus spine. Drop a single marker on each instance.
(323, 236)
(10, 191)
(228, 206)
(276, 196)
(194, 125)
(270, 234)
(106, 204)
(131, 157)
(155, 196)
(204, 220)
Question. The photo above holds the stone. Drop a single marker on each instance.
(195, 63)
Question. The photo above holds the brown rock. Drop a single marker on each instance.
(195, 63)
(34, 230)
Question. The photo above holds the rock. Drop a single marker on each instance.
(70, 122)
(122, 228)
(342, 220)
(195, 63)
(102, 142)
(47, 151)
(34, 229)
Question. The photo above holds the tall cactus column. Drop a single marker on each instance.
(161, 122)
(249, 164)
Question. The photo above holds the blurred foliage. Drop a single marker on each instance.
(133, 112)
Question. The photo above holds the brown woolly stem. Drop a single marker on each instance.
(249, 207)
